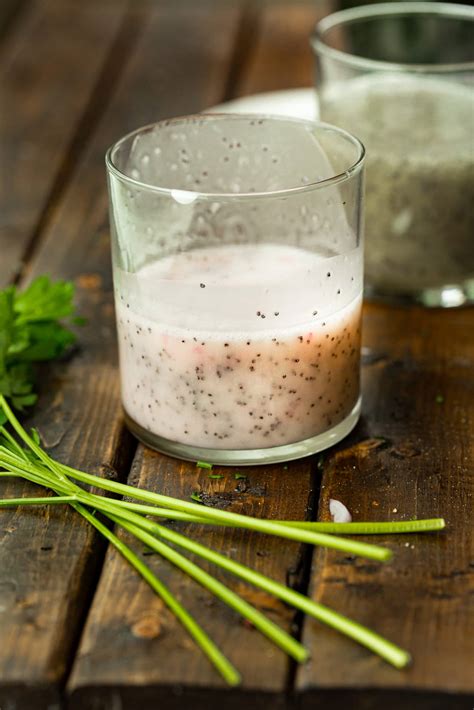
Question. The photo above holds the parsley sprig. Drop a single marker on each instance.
(30, 332)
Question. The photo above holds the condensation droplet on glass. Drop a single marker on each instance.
(135, 173)
(145, 159)
(149, 231)
(173, 167)
(184, 197)
(157, 150)
(305, 179)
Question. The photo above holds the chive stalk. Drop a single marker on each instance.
(280, 637)
(128, 514)
(47, 500)
(269, 527)
(205, 643)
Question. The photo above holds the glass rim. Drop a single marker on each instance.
(385, 9)
(353, 168)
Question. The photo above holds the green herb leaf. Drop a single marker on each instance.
(44, 301)
(203, 464)
(238, 476)
(215, 475)
(196, 496)
(30, 332)
(35, 436)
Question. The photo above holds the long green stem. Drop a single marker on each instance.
(392, 653)
(359, 633)
(387, 650)
(124, 512)
(362, 528)
(205, 643)
(47, 500)
(376, 528)
(12, 441)
(259, 620)
(269, 527)
(136, 524)
(374, 552)
(222, 664)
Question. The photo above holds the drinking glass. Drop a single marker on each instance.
(237, 260)
(400, 76)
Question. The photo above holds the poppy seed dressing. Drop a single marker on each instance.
(247, 346)
(419, 134)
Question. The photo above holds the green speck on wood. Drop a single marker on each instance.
(439, 399)
(215, 475)
(238, 476)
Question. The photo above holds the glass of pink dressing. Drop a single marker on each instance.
(238, 274)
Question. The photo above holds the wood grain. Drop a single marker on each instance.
(129, 636)
(49, 559)
(10, 11)
(111, 649)
(412, 455)
(80, 414)
(45, 87)
(281, 56)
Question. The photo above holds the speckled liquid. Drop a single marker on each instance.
(240, 347)
(419, 135)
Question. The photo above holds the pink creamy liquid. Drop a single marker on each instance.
(240, 347)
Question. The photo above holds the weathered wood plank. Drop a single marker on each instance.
(49, 560)
(131, 642)
(411, 456)
(82, 421)
(281, 57)
(10, 11)
(131, 647)
(49, 66)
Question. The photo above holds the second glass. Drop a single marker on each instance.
(237, 260)
(400, 76)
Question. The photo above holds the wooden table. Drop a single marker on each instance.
(78, 629)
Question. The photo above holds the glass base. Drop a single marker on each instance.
(248, 457)
(449, 296)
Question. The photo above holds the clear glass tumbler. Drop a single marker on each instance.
(237, 257)
(400, 76)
